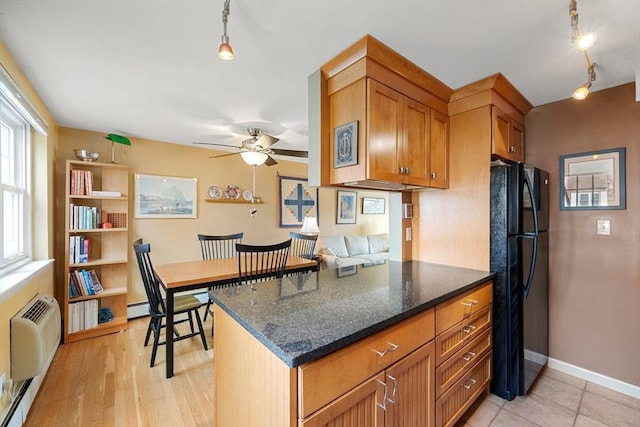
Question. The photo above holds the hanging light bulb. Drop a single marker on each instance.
(225, 51)
(585, 41)
(583, 91)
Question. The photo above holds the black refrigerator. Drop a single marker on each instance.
(519, 258)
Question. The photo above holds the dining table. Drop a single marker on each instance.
(192, 275)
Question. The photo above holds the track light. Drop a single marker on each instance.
(583, 91)
(582, 42)
(225, 51)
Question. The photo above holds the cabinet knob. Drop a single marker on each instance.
(512, 149)
(434, 175)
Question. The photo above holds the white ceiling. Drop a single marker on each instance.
(149, 69)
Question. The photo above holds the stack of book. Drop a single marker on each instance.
(84, 283)
(81, 182)
(83, 217)
(78, 249)
(83, 315)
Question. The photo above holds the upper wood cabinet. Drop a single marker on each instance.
(507, 111)
(403, 128)
(507, 138)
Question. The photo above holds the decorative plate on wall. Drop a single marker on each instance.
(247, 195)
(214, 192)
(232, 192)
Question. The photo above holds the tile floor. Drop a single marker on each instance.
(556, 400)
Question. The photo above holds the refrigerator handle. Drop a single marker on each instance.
(534, 253)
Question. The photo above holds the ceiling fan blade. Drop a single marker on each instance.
(266, 141)
(270, 161)
(223, 155)
(291, 153)
(213, 143)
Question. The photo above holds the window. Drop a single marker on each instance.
(15, 199)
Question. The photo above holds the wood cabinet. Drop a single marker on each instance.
(507, 137)
(95, 193)
(390, 378)
(462, 352)
(403, 127)
(406, 142)
(506, 111)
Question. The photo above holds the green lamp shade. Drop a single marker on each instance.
(118, 138)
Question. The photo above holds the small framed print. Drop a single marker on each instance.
(345, 145)
(349, 270)
(346, 207)
(372, 205)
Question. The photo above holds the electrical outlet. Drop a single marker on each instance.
(3, 377)
(407, 234)
(604, 227)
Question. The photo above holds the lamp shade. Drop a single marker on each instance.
(310, 225)
(254, 158)
(118, 138)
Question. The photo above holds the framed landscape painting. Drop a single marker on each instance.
(158, 196)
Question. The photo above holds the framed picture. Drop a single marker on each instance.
(297, 201)
(347, 271)
(346, 207)
(593, 180)
(372, 205)
(345, 145)
(158, 196)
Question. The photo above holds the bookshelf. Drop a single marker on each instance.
(96, 242)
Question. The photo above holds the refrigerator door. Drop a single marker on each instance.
(533, 259)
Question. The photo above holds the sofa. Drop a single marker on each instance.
(346, 250)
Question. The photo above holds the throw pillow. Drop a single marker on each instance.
(357, 245)
(336, 244)
(378, 243)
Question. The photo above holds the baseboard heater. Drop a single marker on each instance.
(35, 336)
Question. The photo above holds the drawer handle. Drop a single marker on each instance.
(383, 405)
(512, 149)
(434, 175)
(468, 329)
(395, 387)
(393, 347)
(470, 303)
(470, 382)
(470, 355)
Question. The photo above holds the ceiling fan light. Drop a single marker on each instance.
(586, 41)
(582, 92)
(254, 158)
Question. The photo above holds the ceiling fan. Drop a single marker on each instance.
(258, 150)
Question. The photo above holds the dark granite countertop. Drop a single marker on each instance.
(303, 318)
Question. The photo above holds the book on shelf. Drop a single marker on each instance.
(102, 193)
(81, 182)
(82, 315)
(95, 282)
(84, 283)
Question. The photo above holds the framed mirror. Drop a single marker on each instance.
(593, 180)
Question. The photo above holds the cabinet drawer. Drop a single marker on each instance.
(455, 401)
(457, 365)
(457, 309)
(325, 379)
(457, 337)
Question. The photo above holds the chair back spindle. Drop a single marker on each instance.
(214, 247)
(303, 245)
(257, 263)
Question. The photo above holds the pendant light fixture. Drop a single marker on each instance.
(225, 51)
(582, 42)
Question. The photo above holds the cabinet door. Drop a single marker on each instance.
(415, 150)
(439, 144)
(384, 120)
(361, 407)
(507, 136)
(411, 390)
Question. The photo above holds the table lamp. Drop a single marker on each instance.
(310, 226)
(120, 140)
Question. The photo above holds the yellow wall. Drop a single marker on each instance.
(175, 239)
(43, 154)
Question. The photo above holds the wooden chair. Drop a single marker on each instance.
(303, 245)
(214, 247)
(257, 263)
(184, 304)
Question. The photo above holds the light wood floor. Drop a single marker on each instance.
(107, 381)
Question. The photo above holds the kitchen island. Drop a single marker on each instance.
(301, 350)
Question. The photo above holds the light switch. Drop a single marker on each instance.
(604, 227)
(407, 234)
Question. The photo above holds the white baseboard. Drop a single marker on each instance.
(594, 377)
(142, 309)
